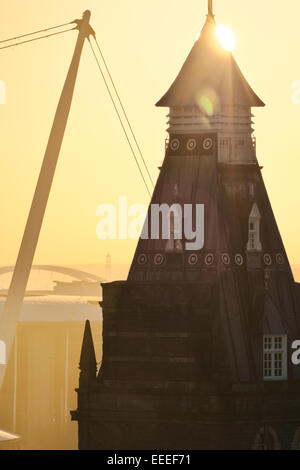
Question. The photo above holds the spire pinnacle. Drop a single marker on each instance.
(87, 364)
(210, 8)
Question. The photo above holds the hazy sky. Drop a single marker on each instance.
(145, 44)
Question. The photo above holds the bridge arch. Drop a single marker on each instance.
(75, 273)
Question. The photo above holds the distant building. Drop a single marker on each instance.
(197, 344)
(38, 390)
(77, 288)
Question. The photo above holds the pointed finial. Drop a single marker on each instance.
(210, 8)
(87, 364)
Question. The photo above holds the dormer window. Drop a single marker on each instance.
(252, 236)
(275, 357)
(254, 230)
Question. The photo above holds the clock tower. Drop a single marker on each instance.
(197, 343)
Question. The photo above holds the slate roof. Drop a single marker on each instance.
(209, 65)
(255, 293)
(247, 306)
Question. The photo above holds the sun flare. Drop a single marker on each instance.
(226, 37)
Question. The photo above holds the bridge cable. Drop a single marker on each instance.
(105, 81)
(36, 39)
(119, 117)
(122, 107)
(35, 32)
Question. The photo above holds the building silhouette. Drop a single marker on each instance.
(197, 344)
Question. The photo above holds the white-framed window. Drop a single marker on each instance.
(275, 357)
(254, 230)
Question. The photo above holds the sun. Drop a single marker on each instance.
(226, 37)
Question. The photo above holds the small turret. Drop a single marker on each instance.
(88, 363)
(210, 94)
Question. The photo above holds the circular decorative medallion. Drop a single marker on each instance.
(207, 143)
(239, 259)
(159, 259)
(142, 259)
(267, 259)
(279, 259)
(193, 259)
(191, 144)
(225, 259)
(175, 143)
(209, 259)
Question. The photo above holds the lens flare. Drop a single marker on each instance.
(208, 101)
(197, 36)
(226, 37)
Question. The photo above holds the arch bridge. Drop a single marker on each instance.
(75, 273)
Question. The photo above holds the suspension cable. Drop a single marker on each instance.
(122, 107)
(36, 39)
(105, 81)
(35, 32)
(119, 117)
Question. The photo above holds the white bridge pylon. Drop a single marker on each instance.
(12, 308)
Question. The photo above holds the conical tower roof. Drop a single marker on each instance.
(210, 66)
(88, 361)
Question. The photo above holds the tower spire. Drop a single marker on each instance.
(210, 8)
(87, 364)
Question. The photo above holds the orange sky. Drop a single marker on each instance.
(145, 44)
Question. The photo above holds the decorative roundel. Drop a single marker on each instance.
(239, 259)
(267, 259)
(142, 259)
(175, 143)
(225, 259)
(279, 258)
(159, 259)
(207, 143)
(193, 259)
(191, 144)
(209, 259)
